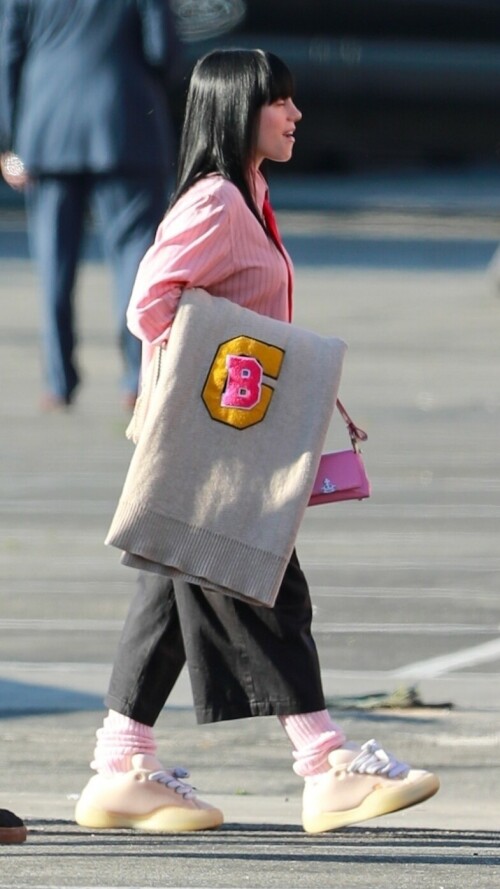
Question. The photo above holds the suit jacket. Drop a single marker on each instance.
(84, 84)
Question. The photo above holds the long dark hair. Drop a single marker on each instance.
(226, 91)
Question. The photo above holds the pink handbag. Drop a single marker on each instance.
(341, 475)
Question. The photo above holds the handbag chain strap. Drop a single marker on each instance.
(355, 433)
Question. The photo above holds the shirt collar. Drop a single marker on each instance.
(261, 189)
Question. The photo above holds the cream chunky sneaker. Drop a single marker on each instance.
(362, 784)
(148, 797)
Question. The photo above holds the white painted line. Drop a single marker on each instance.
(83, 667)
(65, 624)
(374, 592)
(486, 565)
(112, 626)
(444, 630)
(447, 740)
(438, 666)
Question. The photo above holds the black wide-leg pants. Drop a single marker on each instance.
(243, 660)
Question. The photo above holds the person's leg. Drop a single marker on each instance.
(266, 662)
(132, 788)
(56, 209)
(277, 670)
(147, 664)
(130, 208)
(150, 653)
(265, 659)
(313, 735)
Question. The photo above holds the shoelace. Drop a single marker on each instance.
(374, 760)
(173, 778)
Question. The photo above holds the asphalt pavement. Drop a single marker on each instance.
(405, 586)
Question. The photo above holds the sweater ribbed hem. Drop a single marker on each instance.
(165, 545)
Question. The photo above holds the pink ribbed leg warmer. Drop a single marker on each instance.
(313, 736)
(118, 740)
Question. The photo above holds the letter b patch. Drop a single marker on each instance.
(234, 392)
(244, 382)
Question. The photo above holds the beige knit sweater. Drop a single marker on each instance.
(226, 453)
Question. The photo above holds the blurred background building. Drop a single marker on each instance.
(384, 85)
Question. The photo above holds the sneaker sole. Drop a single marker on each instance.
(379, 802)
(12, 835)
(169, 820)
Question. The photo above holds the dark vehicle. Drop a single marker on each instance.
(382, 83)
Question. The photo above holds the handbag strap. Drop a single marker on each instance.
(355, 433)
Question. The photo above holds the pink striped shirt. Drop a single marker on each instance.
(209, 239)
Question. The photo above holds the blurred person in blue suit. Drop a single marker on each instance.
(85, 90)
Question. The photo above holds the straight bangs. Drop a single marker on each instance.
(280, 85)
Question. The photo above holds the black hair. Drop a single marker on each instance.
(226, 91)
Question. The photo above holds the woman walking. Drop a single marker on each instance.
(244, 660)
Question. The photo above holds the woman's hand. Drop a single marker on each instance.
(13, 171)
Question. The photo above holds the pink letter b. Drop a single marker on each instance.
(244, 382)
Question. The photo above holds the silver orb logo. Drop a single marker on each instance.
(202, 19)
